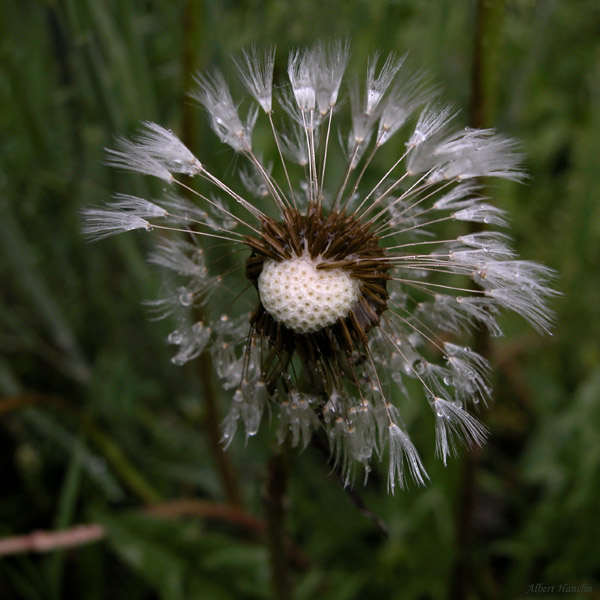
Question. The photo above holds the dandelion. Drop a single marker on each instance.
(336, 292)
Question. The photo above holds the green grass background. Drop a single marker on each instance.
(96, 423)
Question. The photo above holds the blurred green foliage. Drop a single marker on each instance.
(96, 423)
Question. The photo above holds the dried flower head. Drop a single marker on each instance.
(340, 293)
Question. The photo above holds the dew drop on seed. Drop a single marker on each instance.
(186, 298)
(419, 367)
(174, 337)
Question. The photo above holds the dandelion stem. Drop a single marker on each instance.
(274, 502)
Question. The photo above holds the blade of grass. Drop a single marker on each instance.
(55, 564)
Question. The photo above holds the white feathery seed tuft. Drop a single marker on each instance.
(255, 70)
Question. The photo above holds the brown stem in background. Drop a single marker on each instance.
(485, 73)
(213, 427)
(48, 541)
(11, 403)
(81, 535)
(277, 480)
(487, 29)
(191, 57)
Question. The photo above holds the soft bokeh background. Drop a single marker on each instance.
(96, 424)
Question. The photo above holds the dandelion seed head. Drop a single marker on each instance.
(344, 283)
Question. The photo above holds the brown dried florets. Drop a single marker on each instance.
(336, 241)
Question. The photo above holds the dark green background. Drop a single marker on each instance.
(96, 423)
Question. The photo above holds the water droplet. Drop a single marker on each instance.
(186, 299)
(419, 367)
(448, 380)
(174, 337)
(397, 377)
